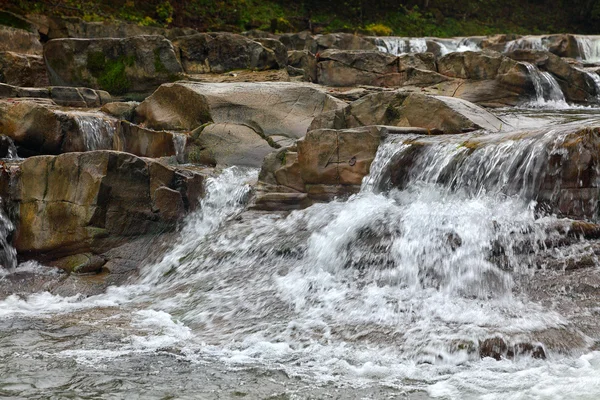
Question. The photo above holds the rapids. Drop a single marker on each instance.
(386, 294)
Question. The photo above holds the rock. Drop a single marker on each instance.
(120, 110)
(486, 78)
(325, 164)
(270, 108)
(495, 348)
(303, 63)
(63, 96)
(271, 75)
(145, 142)
(89, 202)
(421, 61)
(22, 70)
(353, 68)
(342, 41)
(19, 41)
(222, 52)
(299, 41)
(80, 263)
(226, 144)
(474, 65)
(337, 157)
(136, 64)
(46, 129)
(577, 85)
(436, 114)
(278, 48)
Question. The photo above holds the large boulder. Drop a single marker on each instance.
(325, 164)
(145, 142)
(222, 52)
(436, 114)
(269, 108)
(19, 41)
(136, 64)
(88, 202)
(487, 78)
(299, 41)
(23, 69)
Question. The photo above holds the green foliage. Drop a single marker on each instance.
(379, 30)
(164, 11)
(111, 74)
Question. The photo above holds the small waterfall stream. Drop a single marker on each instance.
(96, 129)
(547, 91)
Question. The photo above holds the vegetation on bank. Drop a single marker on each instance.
(443, 18)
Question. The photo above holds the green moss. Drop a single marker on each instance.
(110, 74)
(392, 113)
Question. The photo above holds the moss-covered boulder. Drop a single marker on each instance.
(135, 64)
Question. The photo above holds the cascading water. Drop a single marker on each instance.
(392, 289)
(179, 142)
(589, 47)
(526, 43)
(401, 45)
(547, 90)
(97, 130)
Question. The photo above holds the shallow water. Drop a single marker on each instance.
(384, 295)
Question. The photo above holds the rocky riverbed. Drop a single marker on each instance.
(212, 215)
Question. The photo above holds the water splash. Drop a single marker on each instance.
(589, 47)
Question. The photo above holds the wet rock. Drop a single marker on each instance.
(19, 41)
(222, 52)
(270, 108)
(136, 64)
(80, 263)
(495, 348)
(89, 202)
(528, 350)
(23, 69)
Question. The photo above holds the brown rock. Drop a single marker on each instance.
(23, 70)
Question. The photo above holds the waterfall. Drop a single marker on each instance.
(8, 254)
(547, 90)
(526, 43)
(595, 78)
(179, 142)
(589, 47)
(96, 129)
(401, 45)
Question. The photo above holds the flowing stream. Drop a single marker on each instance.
(387, 294)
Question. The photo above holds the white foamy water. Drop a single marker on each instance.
(548, 93)
(392, 288)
